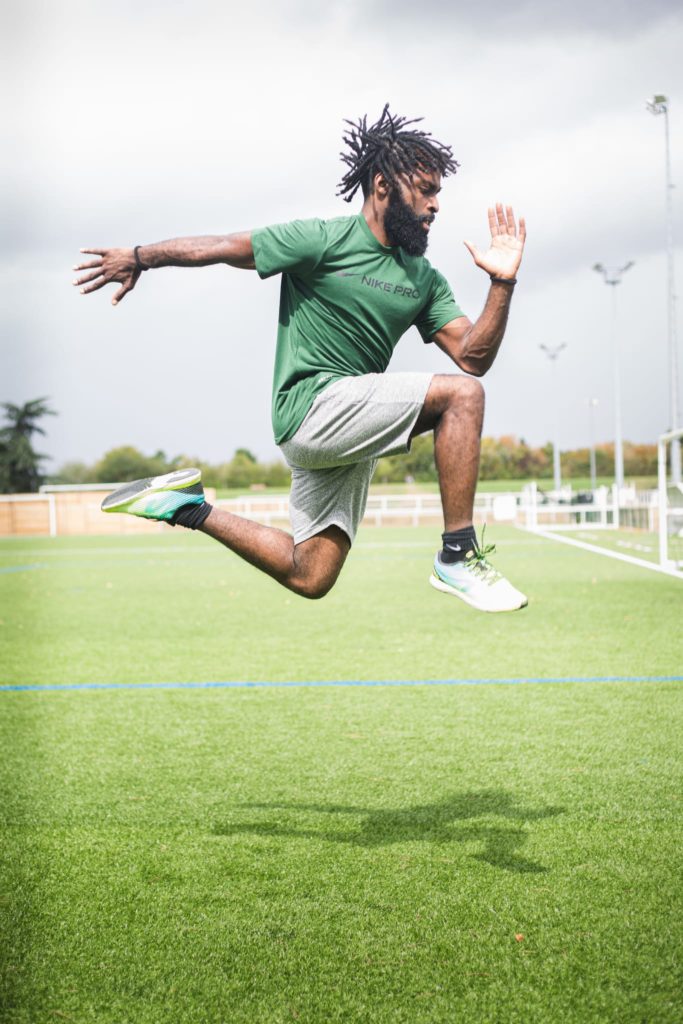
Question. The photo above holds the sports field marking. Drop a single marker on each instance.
(21, 568)
(596, 550)
(67, 552)
(13, 687)
(430, 545)
(633, 547)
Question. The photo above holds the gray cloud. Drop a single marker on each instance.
(528, 18)
(171, 118)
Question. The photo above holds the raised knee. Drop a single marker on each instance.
(469, 388)
(464, 403)
(317, 563)
(314, 581)
(316, 591)
(313, 588)
(464, 395)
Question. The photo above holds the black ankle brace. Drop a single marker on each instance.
(191, 516)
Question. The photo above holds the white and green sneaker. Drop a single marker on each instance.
(475, 581)
(157, 497)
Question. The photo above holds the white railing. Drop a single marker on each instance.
(380, 509)
(527, 508)
(611, 508)
(75, 488)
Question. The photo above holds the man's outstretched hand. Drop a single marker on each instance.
(111, 265)
(503, 257)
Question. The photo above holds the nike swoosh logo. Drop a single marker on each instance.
(345, 273)
(454, 547)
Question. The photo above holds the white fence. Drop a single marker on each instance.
(529, 508)
(67, 510)
(610, 509)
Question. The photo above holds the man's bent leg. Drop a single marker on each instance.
(454, 410)
(309, 568)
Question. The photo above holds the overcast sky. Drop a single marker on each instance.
(133, 122)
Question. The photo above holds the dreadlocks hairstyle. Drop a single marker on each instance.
(387, 148)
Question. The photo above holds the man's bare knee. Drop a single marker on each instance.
(465, 401)
(316, 582)
(313, 589)
(318, 562)
(467, 389)
(449, 393)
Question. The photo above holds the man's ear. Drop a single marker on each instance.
(380, 186)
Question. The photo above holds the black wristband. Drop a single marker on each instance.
(512, 281)
(138, 262)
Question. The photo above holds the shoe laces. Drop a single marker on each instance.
(477, 563)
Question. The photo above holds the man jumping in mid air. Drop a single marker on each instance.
(351, 287)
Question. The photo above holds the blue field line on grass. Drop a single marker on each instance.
(243, 685)
(21, 568)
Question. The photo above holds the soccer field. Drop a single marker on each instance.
(499, 839)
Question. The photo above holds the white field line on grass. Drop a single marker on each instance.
(594, 548)
(426, 545)
(118, 551)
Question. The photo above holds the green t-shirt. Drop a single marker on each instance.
(345, 301)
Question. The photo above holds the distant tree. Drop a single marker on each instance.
(72, 473)
(276, 474)
(391, 470)
(19, 462)
(242, 470)
(420, 463)
(246, 454)
(127, 463)
(575, 463)
(640, 459)
(417, 464)
(491, 462)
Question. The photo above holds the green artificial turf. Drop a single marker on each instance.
(465, 853)
(177, 607)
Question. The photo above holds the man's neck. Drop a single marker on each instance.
(374, 216)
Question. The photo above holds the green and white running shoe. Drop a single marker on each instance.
(157, 497)
(475, 581)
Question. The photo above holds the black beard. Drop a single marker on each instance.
(403, 227)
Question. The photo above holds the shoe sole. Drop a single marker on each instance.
(122, 496)
(445, 588)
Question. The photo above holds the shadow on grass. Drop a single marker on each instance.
(455, 819)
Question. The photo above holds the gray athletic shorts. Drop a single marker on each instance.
(333, 454)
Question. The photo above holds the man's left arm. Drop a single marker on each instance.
(474, 346)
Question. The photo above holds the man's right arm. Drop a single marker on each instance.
(122, 267)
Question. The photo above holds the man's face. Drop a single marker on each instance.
(410, 211)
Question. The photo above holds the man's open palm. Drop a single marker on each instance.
(110, 266)
(503, 257)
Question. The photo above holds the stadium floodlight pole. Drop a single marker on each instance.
(592, 403)
(660, 105)
(552, 354)
(613, 277)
